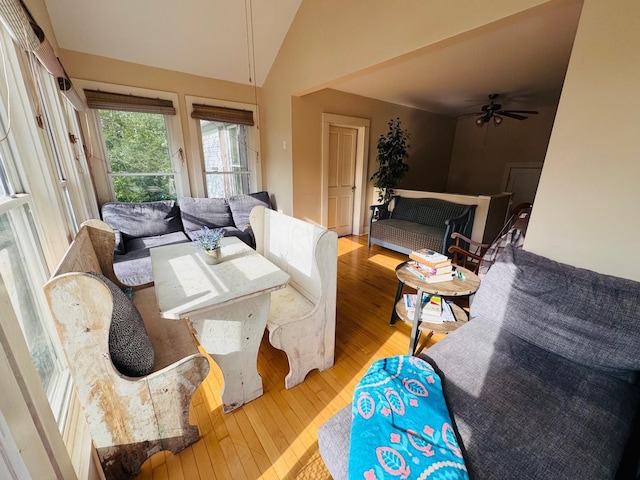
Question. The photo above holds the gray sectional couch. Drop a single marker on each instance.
(543, 381)
(405, 224)
(141, 226)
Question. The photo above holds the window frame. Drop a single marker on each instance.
(73, 178)
(197, 154)
(52, 225)
(97, 152)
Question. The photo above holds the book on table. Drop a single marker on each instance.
(430, 275)
(430, 258)
(440, 314)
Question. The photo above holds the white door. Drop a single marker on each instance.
(523, 183)
(341, 184)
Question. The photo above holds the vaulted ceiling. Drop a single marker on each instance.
(524, 59)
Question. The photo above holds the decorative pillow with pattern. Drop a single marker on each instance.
(129, 344)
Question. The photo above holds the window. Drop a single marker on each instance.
(135, 147)
(138, 155)
(224, 135)
(226, 167)
(33, 225)
(22, 275)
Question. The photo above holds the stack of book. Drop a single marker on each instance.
(430, 266)
(434, 308)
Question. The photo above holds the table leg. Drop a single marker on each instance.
(415, 333)
(231, 335)
(394, 314)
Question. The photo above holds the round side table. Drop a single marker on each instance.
(451, 288)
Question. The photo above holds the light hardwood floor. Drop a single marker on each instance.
(275, 436)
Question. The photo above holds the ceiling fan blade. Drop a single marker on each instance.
(512, 115)
(530, 112)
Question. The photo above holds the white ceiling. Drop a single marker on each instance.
(207, 38)
(523, 58)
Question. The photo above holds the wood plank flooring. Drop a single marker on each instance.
(275, 436)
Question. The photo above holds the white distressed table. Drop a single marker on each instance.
(226, 304)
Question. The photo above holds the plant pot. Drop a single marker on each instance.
(212, 257)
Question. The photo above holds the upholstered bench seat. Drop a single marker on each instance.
(416, 223)
(410, 235)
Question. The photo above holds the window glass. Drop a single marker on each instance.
(17, 255)
(224, 146)
(48, 103)
(138, 155)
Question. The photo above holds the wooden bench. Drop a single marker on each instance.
(130, 418)
(302, 316)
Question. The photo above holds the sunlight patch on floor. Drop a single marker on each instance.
(347, 246)
(385, 261)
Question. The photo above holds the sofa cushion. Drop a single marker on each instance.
(241, 206)
(246, 236)
(144, 219)
(427, 211)
(130, 348)
(134, 267)
(204, 212)
(525, 412)
(138, 243)
(333, 443)
(586, 317)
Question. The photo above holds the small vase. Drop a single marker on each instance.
(213, 257)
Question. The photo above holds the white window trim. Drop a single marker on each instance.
(75, 169)
(97, 151)
(27, 409)
(195, 144)
(51, 222)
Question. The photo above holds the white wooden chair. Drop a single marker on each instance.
(302, 319)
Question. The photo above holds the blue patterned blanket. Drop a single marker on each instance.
(401, 426)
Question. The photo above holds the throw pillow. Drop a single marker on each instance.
(129, 344)
(200, 212)
(241, 206)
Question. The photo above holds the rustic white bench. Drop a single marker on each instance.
(130, 418)
(302, 316)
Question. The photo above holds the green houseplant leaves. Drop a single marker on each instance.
(392, 151)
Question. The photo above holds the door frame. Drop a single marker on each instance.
(362, 125)
(514, 165)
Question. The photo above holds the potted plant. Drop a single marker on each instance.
(392, 151)
(209, 241)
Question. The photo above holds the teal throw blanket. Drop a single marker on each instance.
(401, 426)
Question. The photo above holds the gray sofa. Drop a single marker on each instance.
(406, 224)
(141, 226)
(542, 382)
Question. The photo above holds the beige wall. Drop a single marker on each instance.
(480, 155)
(586, 210)
(101, 69)
(429, 152)
(332, 38)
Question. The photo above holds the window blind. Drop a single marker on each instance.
(222, 114)
(128, 103)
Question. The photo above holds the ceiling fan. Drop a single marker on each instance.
(495, 111)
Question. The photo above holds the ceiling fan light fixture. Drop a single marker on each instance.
(497, 120)
(480, 121)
